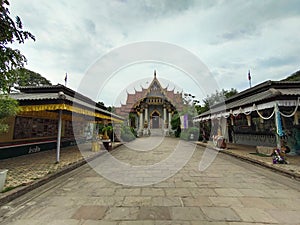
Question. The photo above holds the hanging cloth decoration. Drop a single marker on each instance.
(265, 118)
(278, 122)
(294, 112)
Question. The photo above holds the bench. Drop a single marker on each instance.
(265, 150)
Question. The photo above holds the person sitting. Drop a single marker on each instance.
(278, 155)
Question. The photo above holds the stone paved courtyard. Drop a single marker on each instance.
(23, 170)
(228, 192)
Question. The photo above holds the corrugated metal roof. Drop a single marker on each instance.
(34, 96)
(289, 91)
(255, 98)
(38, 87)
(51, 96)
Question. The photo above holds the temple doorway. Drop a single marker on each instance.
(155, 120)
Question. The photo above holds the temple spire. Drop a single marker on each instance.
(154, 73)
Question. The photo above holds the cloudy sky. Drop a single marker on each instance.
(229, 37)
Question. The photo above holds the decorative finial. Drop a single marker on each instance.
(154, 73)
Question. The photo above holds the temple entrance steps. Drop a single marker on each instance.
(156, 132)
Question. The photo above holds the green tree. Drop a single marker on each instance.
(294, 77)
(29, 78)
(111, 109)
(8, 107)
(101, 105)
(10, 59)
(175, 124)
(25, 77)
(215, 98)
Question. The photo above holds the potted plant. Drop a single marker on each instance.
(105, 138)
(105, 131)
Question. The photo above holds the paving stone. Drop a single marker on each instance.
(251, 192)
(23, 222)
(254, 215)
(245, 223)
(228, 192)
(108, 200)
(202, 192)
(127, 191)
(64, 222)
(280, 193)
(153, 192)
(165, 222)
(90, 212)
(122, 213)
(225, 201)
(255, 202)
(220, 213)
(137, 222)
(154, 213)
(166, 201)
(187, 213)
(108, 191)
(48, 213)
(208, 223)
(137, 201)
(196, 201)
(181, 184)
(98, 222)
(285, 216)
(281, 203)
(178, 192)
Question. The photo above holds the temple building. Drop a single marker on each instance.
(51, 117)
(267, 114)
(151, 108)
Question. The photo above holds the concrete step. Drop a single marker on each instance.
(156, 132)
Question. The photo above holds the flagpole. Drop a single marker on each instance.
(66, 78)
(249, 78)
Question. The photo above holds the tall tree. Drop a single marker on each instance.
(215, 98)
(8, 107)
(293, 77)
(27, 77)
(10, 59)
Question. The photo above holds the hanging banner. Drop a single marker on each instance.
(186, 121)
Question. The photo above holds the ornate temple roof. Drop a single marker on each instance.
(155, 90)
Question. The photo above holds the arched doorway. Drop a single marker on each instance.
(155, 120)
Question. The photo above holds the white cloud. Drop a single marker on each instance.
(230, 37)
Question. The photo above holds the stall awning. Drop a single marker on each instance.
(53, 107)
(253, 102)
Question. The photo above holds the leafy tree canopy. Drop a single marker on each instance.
(294, 77)
(214, 98)
(8, 107)
(25, 77)
(10, 59)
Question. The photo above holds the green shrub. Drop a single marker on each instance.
(127, 133)
(186, 134)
